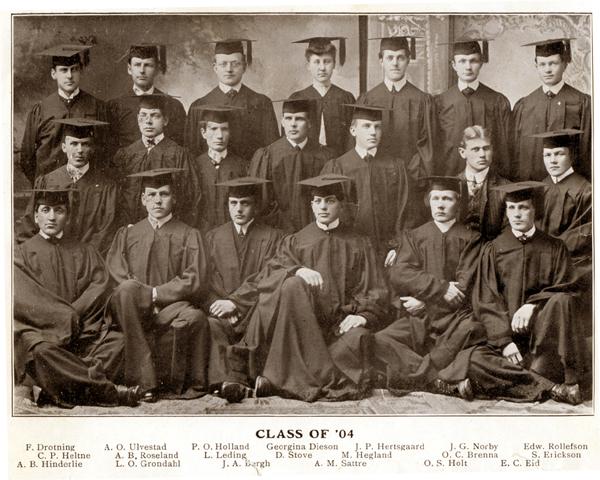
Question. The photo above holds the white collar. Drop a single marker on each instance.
(560, 178)
(243, 228)
(363, 152)
(479, 177)
(528, 233)
(68, 97)
(156, 223)
(156, 139)
(47, 237)
(399, 84)
(217, 157)
(302, 144)
(554, 88)
(320, 88)
(79, 171)
(331, 226)
(138, 91)
(474, 84)
(225, 88)
(445, 226)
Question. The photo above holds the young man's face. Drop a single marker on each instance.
(550, 69)
(295, 126)
(394, 63)
(557, 160)
(443, 204)
(152, 122)
(242, 209)
(477, 153)
(229, 68)
(67, 78)
(142, 72)
(159, 202)
(78, 150)
(51, 219)
(367, 133)
(321, 68)
(521, 215)
(216, 135)
(326, 209)
(467, 66)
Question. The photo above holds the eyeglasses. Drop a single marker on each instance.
(233, 64)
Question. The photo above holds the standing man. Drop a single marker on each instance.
(255, 124)
(93, 195)
(160, 268)
(467, 103)
(285, 162)
(63, 340)
(238, 250)
(553, 106)
(144, 62)
(331, 118)
(409, 118)
(41, 150)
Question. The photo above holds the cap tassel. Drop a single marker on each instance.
(413, 48)
(162, 57)
(567, 45)
(249, 52)
(342, 51)
(485, 55)
(85, 58)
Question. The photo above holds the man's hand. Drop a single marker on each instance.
(389, 259)
(413, 305)
(522, 318)
(511, 353)
(222, 308)
(351, 321)
(312, 277)
(453, 296)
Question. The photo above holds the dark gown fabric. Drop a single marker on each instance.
(167, 349)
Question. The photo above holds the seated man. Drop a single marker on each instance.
(320, 295)
(93, 208)
(238, 251)
(63, 340)
(160, 267)
(523, 296)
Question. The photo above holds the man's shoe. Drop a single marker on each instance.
(128, 396)
(461, 389)
(263, 387)
(235, 392)
(561, 392)
(149, 396)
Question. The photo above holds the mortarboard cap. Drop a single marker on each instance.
(295, 105)
(50, 196)
(234, 45)
(79, 127)
(321, 45)
(68, 54)
(567, 137)
(243, 186)
(398, 43)
(468, 46)
(366, 112)
(148, 50)
(555, 46)
(327, 184)
(438, 182)
(520, 191)
(157, 177)
(216, 113)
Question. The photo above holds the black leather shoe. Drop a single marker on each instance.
(263, 387)
(566, 393)
(461, 389)
(149, 396)
(128, 396)
(235, 392)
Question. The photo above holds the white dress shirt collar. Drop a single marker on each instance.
(156, 139)
(333, 225)
(560, 178)
(243, 228)
(474, 84)
(47, 237)
(68, 97)
(225, 88)
(479, 177)
(363, 152)
(399, 84)
(554, 88)
(138, 91)
(320, 88)
(217, 157)
(528, 233)
(302, 144)
(158, 223)
(445, 226)
(77, 172)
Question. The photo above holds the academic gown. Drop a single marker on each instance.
(123, 112)
(136, 158)
(234, 267)
(335, 116)
(378, 198)
(538, 272)
(62, 338)
(251, 128)
(537, 113)
(93, 208)
(288, 203)
(41, 150)
(455, 112)
(212, 208)
(293, 337)
(408, 129)
(168, 349)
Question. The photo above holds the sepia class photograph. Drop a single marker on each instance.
(384, 214)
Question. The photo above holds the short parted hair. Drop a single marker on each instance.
(475, 132)
(321, 49)
(407, 52)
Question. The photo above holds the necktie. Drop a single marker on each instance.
(54, 240)
(232, 93)
(368, 157)
(550, 94)
(154, 223)
(395, 90)
(241, 235)
(297, 148)
(74, 173)
(467, 92)
(523, 238)
(150, 144)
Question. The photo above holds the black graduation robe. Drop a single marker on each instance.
(537, 113)
(62, 338)
(251, 128)
(292, 338)
(455, 112)
(168, 349)
(409, 128)
(212, 207)
(336, 117)
(93, 207)
(41, 150)
(136, 158)
(123, 112)
(288, 205)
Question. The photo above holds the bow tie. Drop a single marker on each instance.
(232, 93)
(395, 90)
(550, 94)
(241, 234)
(154, 223)
(74, 173)
(467, 92)
(53, 240)
(297, 148)
(523, 238)
(368, 157)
